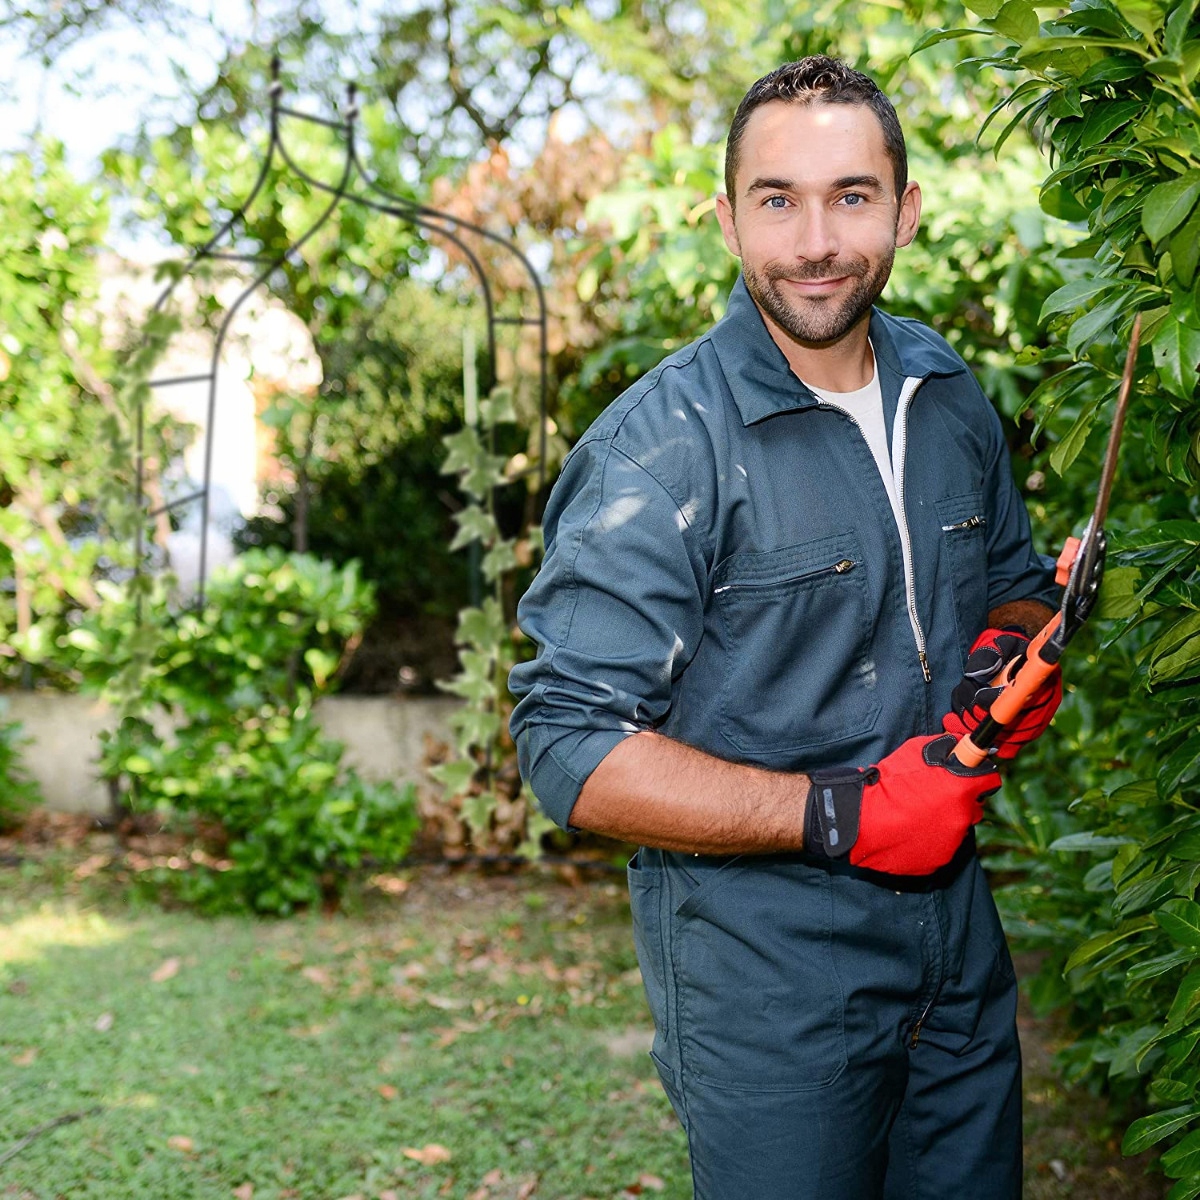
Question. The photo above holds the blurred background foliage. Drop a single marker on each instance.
(592, 134)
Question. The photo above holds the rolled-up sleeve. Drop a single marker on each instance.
(1015, 570)
(616, 612)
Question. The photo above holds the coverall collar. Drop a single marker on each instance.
(763, 384)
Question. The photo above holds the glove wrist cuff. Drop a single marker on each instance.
(832, 811)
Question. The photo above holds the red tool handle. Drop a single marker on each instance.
(1033, 672)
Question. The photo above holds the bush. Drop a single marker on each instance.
(18, 793)
(1110, 86)
(236, 683)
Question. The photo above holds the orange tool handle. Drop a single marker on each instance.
(1018, 689)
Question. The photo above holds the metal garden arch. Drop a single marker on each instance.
(355, 186)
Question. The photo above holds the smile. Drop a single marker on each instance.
(816, 287)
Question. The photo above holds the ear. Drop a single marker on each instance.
(909, 219)
(725, 216)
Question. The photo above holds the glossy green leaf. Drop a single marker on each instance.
(1187, 999)
(1067, 450)
(1187, 1188)
(1181, 764)
(1089, 842)
(1183, 1158)
(1176, 348)
(943, 35)
(1180, 919)
(1146, 16)
(1017, 20)
(1185, 250)
(1075, 294)
(1148, 1131)
(1169, 204)
(1095, 946)
(1176, 653)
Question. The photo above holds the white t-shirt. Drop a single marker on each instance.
(865, 407)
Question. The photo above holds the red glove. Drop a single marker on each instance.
(907, 815)
(973, 696)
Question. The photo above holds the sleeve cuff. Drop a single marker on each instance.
(564, 766)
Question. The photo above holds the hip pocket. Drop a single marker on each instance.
(645, 905)
(797, 629)
(759, 1000)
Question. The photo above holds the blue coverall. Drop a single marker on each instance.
(723, 566)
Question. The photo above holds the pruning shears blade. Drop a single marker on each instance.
(1080, 570)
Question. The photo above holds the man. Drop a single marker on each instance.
(768, 565)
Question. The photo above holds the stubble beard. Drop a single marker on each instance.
(818, 320)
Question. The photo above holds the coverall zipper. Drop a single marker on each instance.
(838, 568)
(900, 515)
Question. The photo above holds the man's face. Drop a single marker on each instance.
(817, 220)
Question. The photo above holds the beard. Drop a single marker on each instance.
(819, 320)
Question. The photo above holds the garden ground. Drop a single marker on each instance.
(447, 1034)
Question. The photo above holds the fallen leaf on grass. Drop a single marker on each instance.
(317, 975)
(245, 1192)
(389, 1194)
(25, 1058)
(429, 1155)
(527, 1189)
(308, 1031)
(184, 1145)
(167, 970)
(90, 865)
(104, 1022)
(493, 1177)
(387, 1091)
(652, 1182)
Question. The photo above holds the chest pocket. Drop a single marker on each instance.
(796, 625)
(964, 541)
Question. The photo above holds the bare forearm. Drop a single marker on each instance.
(657, 792)
(1029, 615)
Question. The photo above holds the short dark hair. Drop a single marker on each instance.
(818, 79)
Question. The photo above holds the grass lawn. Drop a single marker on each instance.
(467, 1037)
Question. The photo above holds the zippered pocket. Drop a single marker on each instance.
(963, 524)
(975, 522)
(838, 568)
(794, 627)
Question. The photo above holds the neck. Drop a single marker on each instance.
(841, 366)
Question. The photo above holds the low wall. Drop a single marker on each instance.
(384, 738)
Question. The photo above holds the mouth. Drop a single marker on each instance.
(816, 287)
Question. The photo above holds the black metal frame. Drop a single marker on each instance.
(372, 195)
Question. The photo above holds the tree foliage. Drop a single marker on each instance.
(1109, 87)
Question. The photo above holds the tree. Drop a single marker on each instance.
(1110, 88)
(66, 461)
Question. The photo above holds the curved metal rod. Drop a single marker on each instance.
(258, 280)
(472, 257)
(190, 263)
(375, 186)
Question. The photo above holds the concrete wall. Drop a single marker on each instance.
(384, 738)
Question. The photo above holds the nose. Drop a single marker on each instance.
(816, 239)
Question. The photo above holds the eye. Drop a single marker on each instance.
(853, 200)
(775, 202)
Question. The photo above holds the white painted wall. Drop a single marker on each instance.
(384, 738)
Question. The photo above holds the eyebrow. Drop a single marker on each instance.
(866, 182)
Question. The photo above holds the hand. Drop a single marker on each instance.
(907, 815)
(971, 699)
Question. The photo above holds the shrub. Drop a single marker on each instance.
(18, 793)
(1110, 86)
(233, 686)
